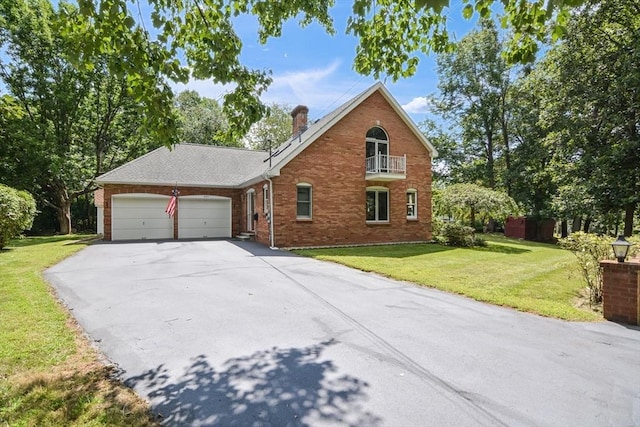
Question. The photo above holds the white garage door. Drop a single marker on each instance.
(204, 216)
(140, 216)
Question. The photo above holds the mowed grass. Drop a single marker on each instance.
(49, 374)
(528, 276)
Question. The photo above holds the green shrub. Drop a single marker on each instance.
(456, 234)
(590, 249)
(17, 210)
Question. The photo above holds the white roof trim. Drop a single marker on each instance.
(407, 120)
(102, 183)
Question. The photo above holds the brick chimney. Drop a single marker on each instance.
(299, 115)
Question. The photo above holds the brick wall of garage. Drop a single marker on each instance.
(335, 167)
(235, 195)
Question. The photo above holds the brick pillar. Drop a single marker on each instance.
(621, 291)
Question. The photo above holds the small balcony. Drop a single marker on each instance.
(386, 168)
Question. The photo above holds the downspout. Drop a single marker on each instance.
(272, 236)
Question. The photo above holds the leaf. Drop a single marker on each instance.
(434, 5)
(467, 12)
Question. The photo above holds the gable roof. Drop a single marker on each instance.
(291, 148)
(215, 166)
(190, 165)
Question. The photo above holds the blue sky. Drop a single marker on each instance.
(315, 69)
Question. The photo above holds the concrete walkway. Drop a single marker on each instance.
(233, 333)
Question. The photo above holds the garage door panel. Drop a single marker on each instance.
(204, 218)
(131, 223)
(140, 217)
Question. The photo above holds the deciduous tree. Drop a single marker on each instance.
(201, 120)
(196, 39)
(471, 201)
(272, 130)
(65, 125)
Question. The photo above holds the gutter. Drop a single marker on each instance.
(272, 235)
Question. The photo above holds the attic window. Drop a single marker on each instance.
(377, 147)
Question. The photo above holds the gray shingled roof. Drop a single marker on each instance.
(191, 165)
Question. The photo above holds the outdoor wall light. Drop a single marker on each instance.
(621, 248)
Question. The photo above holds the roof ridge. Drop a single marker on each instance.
(220, 147)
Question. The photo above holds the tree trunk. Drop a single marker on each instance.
(505, 141)
(62, 205)
(564, 229)
(64, 217)
(629, 211)
(587, 224)
(491, 176)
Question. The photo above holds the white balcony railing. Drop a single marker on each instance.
(384, 164)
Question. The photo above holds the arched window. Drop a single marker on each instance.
(377, 142)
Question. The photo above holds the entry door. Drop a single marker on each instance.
(251, 209)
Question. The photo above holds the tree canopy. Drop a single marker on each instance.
(272, 130)
(197, 39)
(201, 120)
(468, 202)
(62, 126)
(568, 125)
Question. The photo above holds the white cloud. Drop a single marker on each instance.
(420, 104)
(321, 89)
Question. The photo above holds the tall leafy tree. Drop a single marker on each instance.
(66, 125)
(201, 120)
(599, 79)
(272, 130)
(474, 82)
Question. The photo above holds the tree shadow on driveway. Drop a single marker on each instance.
(284, 387)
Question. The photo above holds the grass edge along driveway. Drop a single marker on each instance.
(49, 373)
(528, 276)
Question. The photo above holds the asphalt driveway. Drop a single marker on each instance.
(233, 333)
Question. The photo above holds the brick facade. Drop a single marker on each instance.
(237, 214)
(621, 291)
(334, 165)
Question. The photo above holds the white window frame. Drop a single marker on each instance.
(378, 191)
(265, 199)
(413, 192)
(310, 201)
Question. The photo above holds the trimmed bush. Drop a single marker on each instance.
(590, 249)
(456, 234)
(17, 210)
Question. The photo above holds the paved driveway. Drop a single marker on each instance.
(232, 333)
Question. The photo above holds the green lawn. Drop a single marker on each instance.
(534, 277)
(49, 374)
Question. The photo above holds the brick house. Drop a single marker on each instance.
(360, 175)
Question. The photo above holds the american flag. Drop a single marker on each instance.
(171, 207)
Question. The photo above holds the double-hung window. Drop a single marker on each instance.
(304, 201)
(412, 204)
(377, 205)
